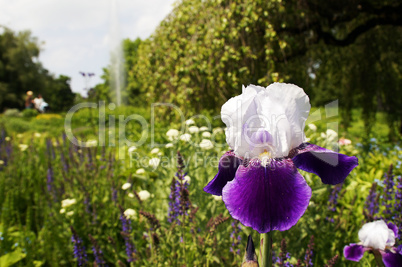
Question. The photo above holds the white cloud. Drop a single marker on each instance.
(76, 32)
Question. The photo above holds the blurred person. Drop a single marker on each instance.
(28, 100)
(40, 104)
(38, 101)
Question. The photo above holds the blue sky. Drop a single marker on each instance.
(75, 34)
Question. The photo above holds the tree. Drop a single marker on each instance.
(21, 71)
(203, 52)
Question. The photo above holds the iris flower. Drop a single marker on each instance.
(258, 178)
(379, 238)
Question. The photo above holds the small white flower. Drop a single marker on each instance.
(154, 162)
(217, 130)
(70, 213)
(312, 127)
(8, 138)
(91, 143)
(189, 122)
(144, 195)
(126, 186)
(130, 214)
(140, 171)
(160, 154)
(68, 202)
(169, 145)
(376, 235)
(37, 135)
(62, 211)
(185, 137)
(187, 179)
(172, 134)
(130, 195)
(155, 150)
(330, 135)
(1, 162)
(193, 129)
(204, 128)
(19, 135)
(131, 149)
(206, 134)
(206, 144)
(217, 198)
(23, 147)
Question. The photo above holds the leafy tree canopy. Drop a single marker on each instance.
(21, 71)
(204, 51)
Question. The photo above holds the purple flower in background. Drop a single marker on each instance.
(379, 238)
(79, 249)
(126, 226)
(179, 202)
(371, 206)
(258, 179)
(333, 197)
(308, 257)
(174, 201)
(98, 254)
(388, 191)
(50, 179)
(235, 237)
(398, 205)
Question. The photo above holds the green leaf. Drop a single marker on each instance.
(12, 257)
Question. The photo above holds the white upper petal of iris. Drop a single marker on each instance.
(376, 235)
(268, 119)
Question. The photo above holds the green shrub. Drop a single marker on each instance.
(12, 112)
(17, 125)
(29, 113)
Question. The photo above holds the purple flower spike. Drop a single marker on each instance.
(354, 252)
(331, 167)
(228, 165)
(267, 198)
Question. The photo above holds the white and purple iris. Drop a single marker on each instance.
(258, 178)
(376, 236)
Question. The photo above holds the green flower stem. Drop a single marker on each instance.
(378, 258)
(266, 249)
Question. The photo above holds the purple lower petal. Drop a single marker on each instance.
(267, 198)
(332, 167)
(392, 259)
(354, 252)
(228, 165)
